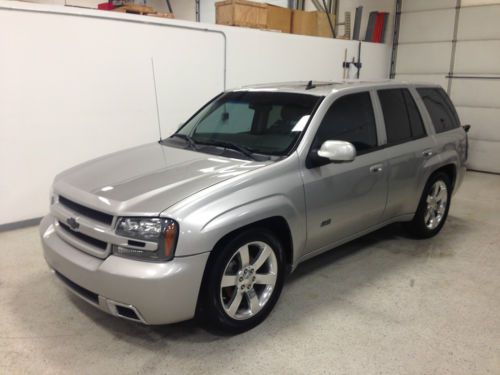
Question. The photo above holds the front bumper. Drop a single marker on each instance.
(157, 293)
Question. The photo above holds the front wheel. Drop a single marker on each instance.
(244, 281)
(433, 208)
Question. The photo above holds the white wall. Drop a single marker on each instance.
(73, 88)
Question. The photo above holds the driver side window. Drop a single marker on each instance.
(350, 119)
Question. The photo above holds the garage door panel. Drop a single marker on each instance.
(428, 58)
(424, 55)
(427, 26)
(485, 122)
(469, 3)
(479, 57)
(424, 78)
(412, 5)
(484, 156)
(476, 93)
(487, 17)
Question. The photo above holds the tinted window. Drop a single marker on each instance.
(438, 104)
(416, 123)
(401, 116)
(350, 119)
(396, 120)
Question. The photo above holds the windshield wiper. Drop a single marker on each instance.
(187, 138)
(233, 146)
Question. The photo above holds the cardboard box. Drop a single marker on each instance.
(162, 15)
(241, 13)
(311, 23)
(135, 9)
(279, 18)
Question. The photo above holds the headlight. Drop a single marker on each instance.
(162, 232)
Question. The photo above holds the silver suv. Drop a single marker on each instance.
(208, 222)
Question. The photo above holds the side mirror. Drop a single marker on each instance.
(337, 151)
(331, 151)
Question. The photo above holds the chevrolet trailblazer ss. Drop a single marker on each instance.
(207, 223)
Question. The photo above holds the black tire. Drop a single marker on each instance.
(418, 227)
(211, 312)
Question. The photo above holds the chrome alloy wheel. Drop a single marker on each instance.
(248, 280)
(437, 200)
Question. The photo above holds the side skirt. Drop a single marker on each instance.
(312, 254)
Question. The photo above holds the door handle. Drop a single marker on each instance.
(376, 168)
(427, 153)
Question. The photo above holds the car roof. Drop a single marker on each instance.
(324, 88)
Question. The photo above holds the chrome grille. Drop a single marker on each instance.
(84, 228)
(86, 211)
(93, 241)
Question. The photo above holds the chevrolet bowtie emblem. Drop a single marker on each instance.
(72, 223)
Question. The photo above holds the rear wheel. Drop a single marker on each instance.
(433, 208)
(244, 281)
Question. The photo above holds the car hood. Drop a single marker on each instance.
(146, 180)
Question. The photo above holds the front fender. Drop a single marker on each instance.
(272, 191)
(237, 217)
(251, 212)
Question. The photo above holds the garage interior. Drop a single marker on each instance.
(79, 82)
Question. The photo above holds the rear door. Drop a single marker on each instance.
(344, 199)
(450, 136)
(408, 151)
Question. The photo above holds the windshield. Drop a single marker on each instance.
(251, 122)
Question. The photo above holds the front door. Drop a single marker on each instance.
(343, 199)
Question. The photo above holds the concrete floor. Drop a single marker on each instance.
(384, 304)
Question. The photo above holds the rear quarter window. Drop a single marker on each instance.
(440, 108)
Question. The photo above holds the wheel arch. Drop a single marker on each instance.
(450, 170)
(278, 225)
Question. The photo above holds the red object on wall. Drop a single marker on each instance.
(105, 6)
(379, 26)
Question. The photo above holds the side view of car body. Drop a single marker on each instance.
(207, 222)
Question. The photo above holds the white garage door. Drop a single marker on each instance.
(426, 53)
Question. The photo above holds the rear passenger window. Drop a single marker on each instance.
(438, 104)
(351, 119)
(401, 116)
(416, 123)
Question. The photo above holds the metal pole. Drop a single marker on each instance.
(169, 6)
(454, 45)
(358, 64)
(395, 39)
(197, 10)
(318, 5)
